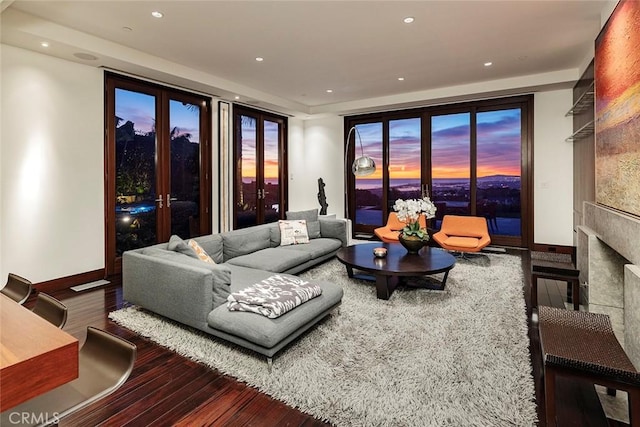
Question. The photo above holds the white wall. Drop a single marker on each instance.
(316, 152)
(553, 168)
(51, 189)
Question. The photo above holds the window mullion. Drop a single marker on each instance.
(385, 168)
(473, 179)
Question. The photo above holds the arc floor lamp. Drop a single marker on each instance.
(362, 166)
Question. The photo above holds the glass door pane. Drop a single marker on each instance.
(451, 164)
(184, 197)
(271, 161)
(135, 156)
(404, 160)
(499, 144)
(369, 189)
(246, 211)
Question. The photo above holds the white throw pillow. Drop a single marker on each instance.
(293, 232)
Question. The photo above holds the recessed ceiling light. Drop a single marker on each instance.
(488, 64)
(401, 79)
(157, 14)
(408, 20)
(329, 90)
(44, 44)
(85, 56)
(237, 97)
(259, 59)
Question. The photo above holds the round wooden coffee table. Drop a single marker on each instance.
(398, 263)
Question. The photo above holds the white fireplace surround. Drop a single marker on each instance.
(609, 263)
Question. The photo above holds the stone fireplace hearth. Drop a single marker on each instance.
(609, 263)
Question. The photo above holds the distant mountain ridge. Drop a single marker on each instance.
(499, 177)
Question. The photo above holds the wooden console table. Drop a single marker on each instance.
(35, 356)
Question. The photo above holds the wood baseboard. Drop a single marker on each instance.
(69, 281)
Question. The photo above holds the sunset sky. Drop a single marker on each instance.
(498, 140)
(139, 108)
(498, 144)
(249, 149)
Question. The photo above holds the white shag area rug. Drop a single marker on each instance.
(457, 357)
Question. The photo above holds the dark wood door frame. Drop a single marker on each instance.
(113, 264)
(260, 117)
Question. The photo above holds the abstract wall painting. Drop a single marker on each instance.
(617, 109)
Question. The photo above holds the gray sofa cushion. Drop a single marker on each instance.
(274, 229)
(316, 247)
(311, 216)
(267, 332)
(176, 244)
(212, 244)
(272, 259)
(336, 229)
(221, 274)
(245, 241)
(246, 276)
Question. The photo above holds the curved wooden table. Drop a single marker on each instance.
(398, 263)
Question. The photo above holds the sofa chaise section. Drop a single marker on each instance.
(268, 336)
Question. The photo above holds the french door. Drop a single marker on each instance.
(157, 166)
(260, 173)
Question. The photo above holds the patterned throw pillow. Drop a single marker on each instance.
(202, 255)
(293, 232)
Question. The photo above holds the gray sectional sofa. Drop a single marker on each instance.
(181, 287)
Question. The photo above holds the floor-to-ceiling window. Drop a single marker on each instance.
(451, 163)
(471, 158)
(368, 197)
(260, 173)
(158, 165)
(499, 170)
(405, 159)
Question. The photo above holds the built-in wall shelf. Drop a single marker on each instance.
(584, 131)
(584, 155)
(584, 103)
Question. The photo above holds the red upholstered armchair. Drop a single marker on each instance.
(463, 233)
(389, 233)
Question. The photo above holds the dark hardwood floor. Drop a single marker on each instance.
(167, 389)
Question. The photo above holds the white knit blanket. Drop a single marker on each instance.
(274, 296)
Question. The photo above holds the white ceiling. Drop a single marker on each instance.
(358, 49)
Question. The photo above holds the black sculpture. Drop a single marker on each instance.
(322, 198)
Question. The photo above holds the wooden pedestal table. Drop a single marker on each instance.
(35, 356)
(398, 263)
